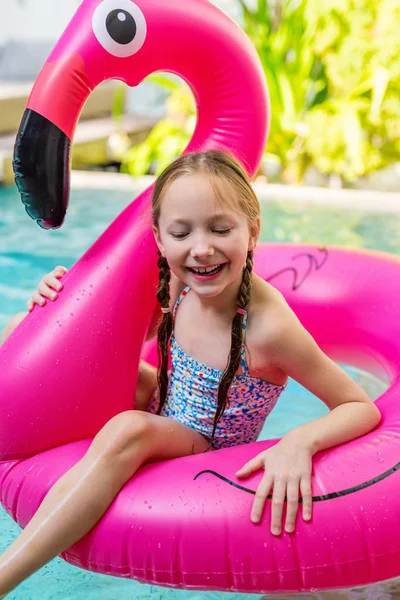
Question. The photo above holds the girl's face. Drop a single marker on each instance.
(204, 241)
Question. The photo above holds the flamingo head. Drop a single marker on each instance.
(119, 39)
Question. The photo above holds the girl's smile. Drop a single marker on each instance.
(206, 273)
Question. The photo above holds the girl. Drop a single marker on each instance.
(234, 342)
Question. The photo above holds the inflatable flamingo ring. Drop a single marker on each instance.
(186, 523)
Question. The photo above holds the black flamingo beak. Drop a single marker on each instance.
(41, 167)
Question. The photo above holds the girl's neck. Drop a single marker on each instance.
(225, 302)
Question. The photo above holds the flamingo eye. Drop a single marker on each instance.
(119, 26)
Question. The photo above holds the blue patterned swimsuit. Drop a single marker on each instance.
(193, 391)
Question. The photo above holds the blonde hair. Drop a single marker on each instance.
(220, 167)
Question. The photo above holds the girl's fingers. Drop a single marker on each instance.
(292, 504)
(59, 271)
(262, 493)
(51, 281)
(278, 498)
(47, 288)
(255, 464)
(45, 291)
(306, 494)
(38, 299)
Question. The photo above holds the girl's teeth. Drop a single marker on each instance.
(203, 271)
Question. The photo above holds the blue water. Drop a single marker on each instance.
(27, 252)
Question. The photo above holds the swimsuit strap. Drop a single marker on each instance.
(180, 298)
(243, 362)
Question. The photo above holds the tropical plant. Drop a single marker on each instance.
(333, 73)
(170, 136)
(295, 76)
(356, 129)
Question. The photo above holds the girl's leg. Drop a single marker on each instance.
(80, 497)
(11, 325)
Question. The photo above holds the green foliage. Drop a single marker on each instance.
(333, 73)
(118, 106)
(296, 78)
(356, 129)
(169, 137)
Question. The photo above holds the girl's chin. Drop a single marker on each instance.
(212, 287)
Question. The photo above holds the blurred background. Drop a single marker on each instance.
(333, 71)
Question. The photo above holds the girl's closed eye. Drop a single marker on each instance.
(224, 231)
(179, 235)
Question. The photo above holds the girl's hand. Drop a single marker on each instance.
(287, 467)
(47, 288)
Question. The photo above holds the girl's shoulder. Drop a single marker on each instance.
(266, 299)
(270, 316)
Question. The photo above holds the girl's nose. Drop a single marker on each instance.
(202, 247)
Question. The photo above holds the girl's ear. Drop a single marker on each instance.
(157, 237)
(254, 233)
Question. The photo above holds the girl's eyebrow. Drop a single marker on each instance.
(222, 217)
(212, 219)
(177, 222)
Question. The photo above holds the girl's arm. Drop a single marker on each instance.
(352, 411)
(154, 324)
(288, 465)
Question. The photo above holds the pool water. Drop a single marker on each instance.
(27, 252)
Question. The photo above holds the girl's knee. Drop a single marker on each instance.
(11, 325)
(122, 434)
